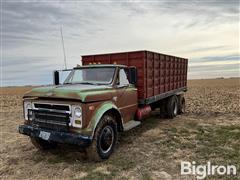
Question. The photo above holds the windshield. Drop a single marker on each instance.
(103, 75)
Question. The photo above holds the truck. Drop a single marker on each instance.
(106, 95)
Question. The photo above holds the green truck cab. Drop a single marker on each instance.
(94, 103)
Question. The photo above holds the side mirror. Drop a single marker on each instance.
(133, 75)
(56, 77)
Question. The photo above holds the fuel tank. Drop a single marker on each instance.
(143, 112)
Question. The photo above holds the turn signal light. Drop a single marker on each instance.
(91, 108)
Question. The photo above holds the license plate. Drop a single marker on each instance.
(44, 135)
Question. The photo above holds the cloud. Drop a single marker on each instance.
(218, 70)
(221, 58)
(34, 22)
(203, 31)
(214, 63)
(216, 59)
(17, 61)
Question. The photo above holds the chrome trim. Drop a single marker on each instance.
(53, 103)
(127, 106)
(50, 122)
(73, 118)
(51, 110)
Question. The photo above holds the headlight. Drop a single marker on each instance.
(27, 106)
(78, 112)
(76, 116)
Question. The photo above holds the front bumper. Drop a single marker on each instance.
(60, 137)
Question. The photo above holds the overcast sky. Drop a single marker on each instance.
(205, 32)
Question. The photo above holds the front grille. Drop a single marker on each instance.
(52, 106)
(50, 120)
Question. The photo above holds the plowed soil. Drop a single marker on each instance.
(208, 131)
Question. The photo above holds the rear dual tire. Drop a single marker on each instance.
(181, 105)
(170, 107)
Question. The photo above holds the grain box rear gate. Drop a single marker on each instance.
(158, 74)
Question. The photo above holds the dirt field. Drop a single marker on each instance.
(209, 131)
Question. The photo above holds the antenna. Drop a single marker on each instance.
(64, 54)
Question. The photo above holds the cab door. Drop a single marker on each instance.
(126, 96)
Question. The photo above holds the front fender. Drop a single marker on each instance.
(99, 113)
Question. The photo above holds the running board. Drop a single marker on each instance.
(131, 124)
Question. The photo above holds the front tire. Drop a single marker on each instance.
(104, 141)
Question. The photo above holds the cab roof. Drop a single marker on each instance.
(100, 65)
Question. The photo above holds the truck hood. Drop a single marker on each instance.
(82, 92)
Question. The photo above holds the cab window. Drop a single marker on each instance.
(123, 79)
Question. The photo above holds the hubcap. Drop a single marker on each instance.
(106, 139)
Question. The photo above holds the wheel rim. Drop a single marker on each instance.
(175, 109)
(106, 139)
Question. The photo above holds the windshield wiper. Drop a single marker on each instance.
(88, 83)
